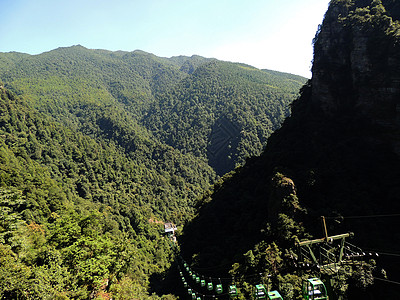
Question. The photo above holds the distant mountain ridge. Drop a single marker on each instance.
(75, 84)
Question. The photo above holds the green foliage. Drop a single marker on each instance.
(268, 261)
(100, 147)
(223, 112)
(290, 286)
(72, 223)
(39, 152)
(374, 20)
(218, 111)
(363, 274)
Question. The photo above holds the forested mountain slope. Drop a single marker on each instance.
(219, 111)
(88, 175)
(337, 155)
(78, 216)
(224, 112)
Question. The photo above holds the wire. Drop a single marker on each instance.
(219, 267)
(365, 216)
(213, 268)
(373, 216)
(382, 253)
(259, 274)
(205, 295)
(386, 280)
(388, 254)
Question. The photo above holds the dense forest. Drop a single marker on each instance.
(79, 216)
(89, 171)
(218, 111)
(99, 149)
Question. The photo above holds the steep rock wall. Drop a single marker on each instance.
(340, 145)
(356, 65)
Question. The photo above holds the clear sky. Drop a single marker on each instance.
(267, 34)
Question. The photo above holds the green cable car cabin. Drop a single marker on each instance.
(274, 295)
(232, 291)
(218, 289)
(261, 292)
(314, 289)
(203, 283)
(210, 286)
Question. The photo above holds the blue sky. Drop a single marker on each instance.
(266, 34)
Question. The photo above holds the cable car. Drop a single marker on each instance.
(185, 284)
(232, 291)
(203, 283)
(194, 296)
(274, 295)
(314, 289)
(197, 279)
(190, 291)
(210, 286)
(261, 292)
(194, 276)
(218, 288)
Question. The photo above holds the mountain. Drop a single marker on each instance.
(98, 149)
(337, 155)
(223, 112)
(218, 111)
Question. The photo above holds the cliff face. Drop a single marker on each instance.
(340, 145)
(357, 62)
(345, 127)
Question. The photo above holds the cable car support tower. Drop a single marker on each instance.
(330, 254)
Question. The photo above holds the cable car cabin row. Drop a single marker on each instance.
(313, 289)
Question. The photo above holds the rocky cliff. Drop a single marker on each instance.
(357, 62)
(340, 145)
